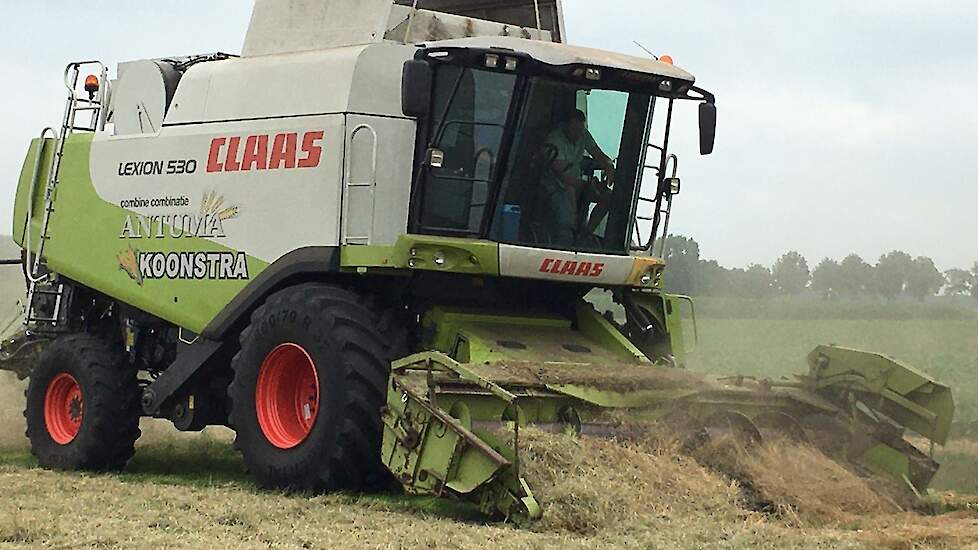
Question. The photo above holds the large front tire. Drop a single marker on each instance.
(82, 406)
(309, 382)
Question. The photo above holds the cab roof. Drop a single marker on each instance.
(556, 54)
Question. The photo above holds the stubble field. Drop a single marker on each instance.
(191, 491)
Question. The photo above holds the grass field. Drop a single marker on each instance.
(190, 491)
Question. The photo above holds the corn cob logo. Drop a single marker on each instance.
(129, 262)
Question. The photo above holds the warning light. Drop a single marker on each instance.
(91, 86)
(667, 59)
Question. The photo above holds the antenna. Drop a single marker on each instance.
(648, 51)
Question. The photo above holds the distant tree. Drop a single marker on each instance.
(790, 273)
(924, 279)
(714, 279)
(826, 278)
(754, 282)
(855, 276)
(682, 254)
(891, 274)
(974, 277)
(958, 282)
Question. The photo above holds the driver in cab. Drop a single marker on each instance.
(565, 186)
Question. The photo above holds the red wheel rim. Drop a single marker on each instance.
(64, 408)
(287, 396)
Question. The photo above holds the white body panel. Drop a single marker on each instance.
(345, 101)
(289, 26)
(416, 26)
(359, 79)
(279, 26)
(379, 165)
(270, 212)
(140, 96)
(558, 265)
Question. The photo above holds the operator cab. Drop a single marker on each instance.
(503, 154)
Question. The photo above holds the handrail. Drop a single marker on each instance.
(30, 202)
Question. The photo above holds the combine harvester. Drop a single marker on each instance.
(365, 245)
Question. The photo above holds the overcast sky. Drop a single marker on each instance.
(844, 126)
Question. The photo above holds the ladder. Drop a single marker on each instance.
(651, 177)
(661, 211)
(43, 289)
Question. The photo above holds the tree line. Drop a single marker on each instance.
(895, 274)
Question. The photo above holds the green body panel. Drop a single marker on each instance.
(910, 397)
(21, 201)
(443, 412)
(887, 461)
(666, 312)
(85, 246)
(674, 325)
(479, 337)
(433, 448)
(599, 329)
(420, 252)
(466, 256)
(367, 256)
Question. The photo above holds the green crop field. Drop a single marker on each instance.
(190, 490)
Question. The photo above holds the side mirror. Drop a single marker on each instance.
(416, 84)
(708, 127)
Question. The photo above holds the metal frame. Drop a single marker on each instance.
(96, 103)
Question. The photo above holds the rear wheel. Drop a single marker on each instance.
(309, 382)
(82, 406)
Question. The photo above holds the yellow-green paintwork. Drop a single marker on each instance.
(912, 398)
(85, 245)
(46, 148)
(591, 323)
(427, 253)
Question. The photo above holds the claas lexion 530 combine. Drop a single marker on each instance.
(365, 246)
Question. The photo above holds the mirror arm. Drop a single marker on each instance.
(707, 96)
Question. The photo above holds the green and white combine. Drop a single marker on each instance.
(365, 245)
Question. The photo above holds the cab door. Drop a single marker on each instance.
(471, 109)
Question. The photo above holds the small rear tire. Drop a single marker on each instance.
(82, 406)
(309, 382)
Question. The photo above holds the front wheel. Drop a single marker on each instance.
(82, 406)
(309, 382)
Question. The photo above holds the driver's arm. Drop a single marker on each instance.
(597, 154)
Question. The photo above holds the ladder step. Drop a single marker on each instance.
(46, 292)
(51, 320)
